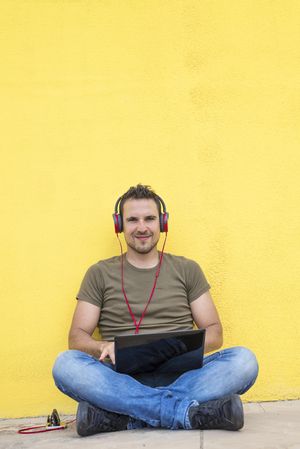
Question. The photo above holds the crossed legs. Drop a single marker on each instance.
(84, 378)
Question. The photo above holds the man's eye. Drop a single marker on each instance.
(150, 218)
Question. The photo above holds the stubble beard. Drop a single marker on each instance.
(140, 249)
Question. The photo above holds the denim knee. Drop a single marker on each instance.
(246, 366)
(62, 364)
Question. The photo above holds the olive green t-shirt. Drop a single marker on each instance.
(180, 282)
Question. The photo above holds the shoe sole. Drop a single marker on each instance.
(237, 413)
(81, 417)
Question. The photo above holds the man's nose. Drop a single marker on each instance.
(142, 226)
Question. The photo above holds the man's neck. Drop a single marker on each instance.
(139, 260)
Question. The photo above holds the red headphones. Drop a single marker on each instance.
(163, 216)
(163, 223)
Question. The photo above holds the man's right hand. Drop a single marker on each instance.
(107, 348)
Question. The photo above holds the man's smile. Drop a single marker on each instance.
(143, 237)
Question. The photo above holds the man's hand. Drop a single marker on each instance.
(107, 349)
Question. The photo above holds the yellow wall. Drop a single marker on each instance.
(200, 99)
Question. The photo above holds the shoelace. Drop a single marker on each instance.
(212, 415)
(111, 419)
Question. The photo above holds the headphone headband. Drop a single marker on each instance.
(117, 211)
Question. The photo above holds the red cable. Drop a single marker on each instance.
(153, 288)
(137, 325)
(28, 430)
(122, 281)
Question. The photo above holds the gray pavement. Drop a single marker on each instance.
(268, 425)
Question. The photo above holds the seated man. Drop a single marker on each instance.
(148, 291)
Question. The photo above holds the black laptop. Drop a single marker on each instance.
(169, 353)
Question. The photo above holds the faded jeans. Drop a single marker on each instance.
(149, 401)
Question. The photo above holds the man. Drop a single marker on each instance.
(113, 294)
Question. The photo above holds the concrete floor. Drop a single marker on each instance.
(268, 425)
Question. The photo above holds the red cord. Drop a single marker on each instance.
(123, 289)
(30, 430)
(137, 325)
(153, 288)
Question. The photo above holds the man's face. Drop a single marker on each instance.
(141, 225)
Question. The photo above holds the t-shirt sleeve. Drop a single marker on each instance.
(196, 281)
(92, 286)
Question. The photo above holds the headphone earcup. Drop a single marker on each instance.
(118, 223)
(163, 221)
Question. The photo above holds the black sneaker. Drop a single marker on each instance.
(91, 420)
(225, 413)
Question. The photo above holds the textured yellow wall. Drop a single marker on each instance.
(199, 99)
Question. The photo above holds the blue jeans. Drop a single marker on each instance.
(84, 378)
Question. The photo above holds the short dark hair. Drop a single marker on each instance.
(139, 192)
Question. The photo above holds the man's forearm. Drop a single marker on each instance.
(82, 341)
(213, 338)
